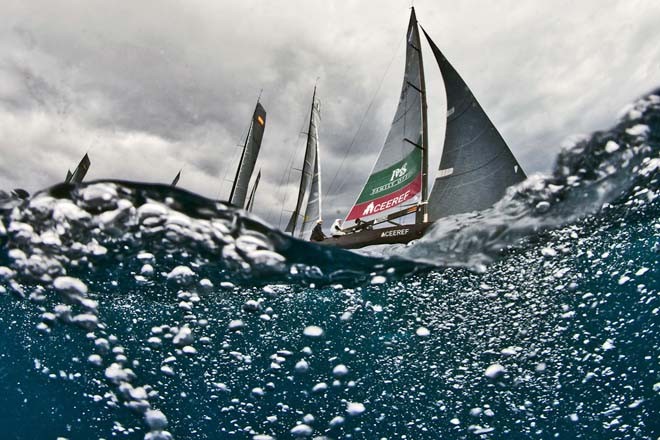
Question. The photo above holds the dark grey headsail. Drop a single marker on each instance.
(80, 171)
(477, 165)
(69, 175)
(249, 156)
(310, 181)
(176, 178)
(253, 192)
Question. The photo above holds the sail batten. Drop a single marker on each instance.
(239, 190)
(476, 165)
(398, 174)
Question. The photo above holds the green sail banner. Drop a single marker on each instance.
(390, 187)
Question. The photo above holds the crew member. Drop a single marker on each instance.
(317, 232)
(360, 224)
(335, 229)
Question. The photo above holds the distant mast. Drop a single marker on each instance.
(477, 165)
(249, 156)
(310, 180)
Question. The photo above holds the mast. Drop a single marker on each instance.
(422, 212)
(307, 170)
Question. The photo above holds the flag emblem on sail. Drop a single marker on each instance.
(397, 175)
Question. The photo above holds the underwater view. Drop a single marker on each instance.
(144, 311)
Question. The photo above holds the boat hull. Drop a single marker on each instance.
(392, 235)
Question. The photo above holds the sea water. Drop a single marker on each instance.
(142, 311)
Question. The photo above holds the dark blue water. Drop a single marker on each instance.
(140, 311)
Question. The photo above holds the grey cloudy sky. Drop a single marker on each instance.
(151, 86)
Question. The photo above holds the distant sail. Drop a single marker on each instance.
(249, 157)
(397, 175)
(69, 175)
(310, 179)
(477, 165)
(176, 179)
(253, 192)
(81, 170)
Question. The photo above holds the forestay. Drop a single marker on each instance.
(396, 178)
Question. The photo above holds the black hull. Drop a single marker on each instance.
(393, 235)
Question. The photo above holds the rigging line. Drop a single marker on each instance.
(281, 187)
(364, 116)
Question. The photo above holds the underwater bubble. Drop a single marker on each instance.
(494, 371)
(155, 419)
(235, 325)
(302, 430)
(313, 331)
(319, 387)
(336, 421)
(95, 359)
(181, 274)
(340, 370)
(301, 366)
(70, 285)
(183, 337)
(354, 408)
(608, 345)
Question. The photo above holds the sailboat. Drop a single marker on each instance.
(176, 179)
(79, 173)
(251, 147)
(475, 169)
(309, 191)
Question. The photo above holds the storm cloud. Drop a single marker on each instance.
(150, 87)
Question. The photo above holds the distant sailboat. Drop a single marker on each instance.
(239, 189)
(80, 172)
(176, 178)
(476, 166)
(309, 191)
